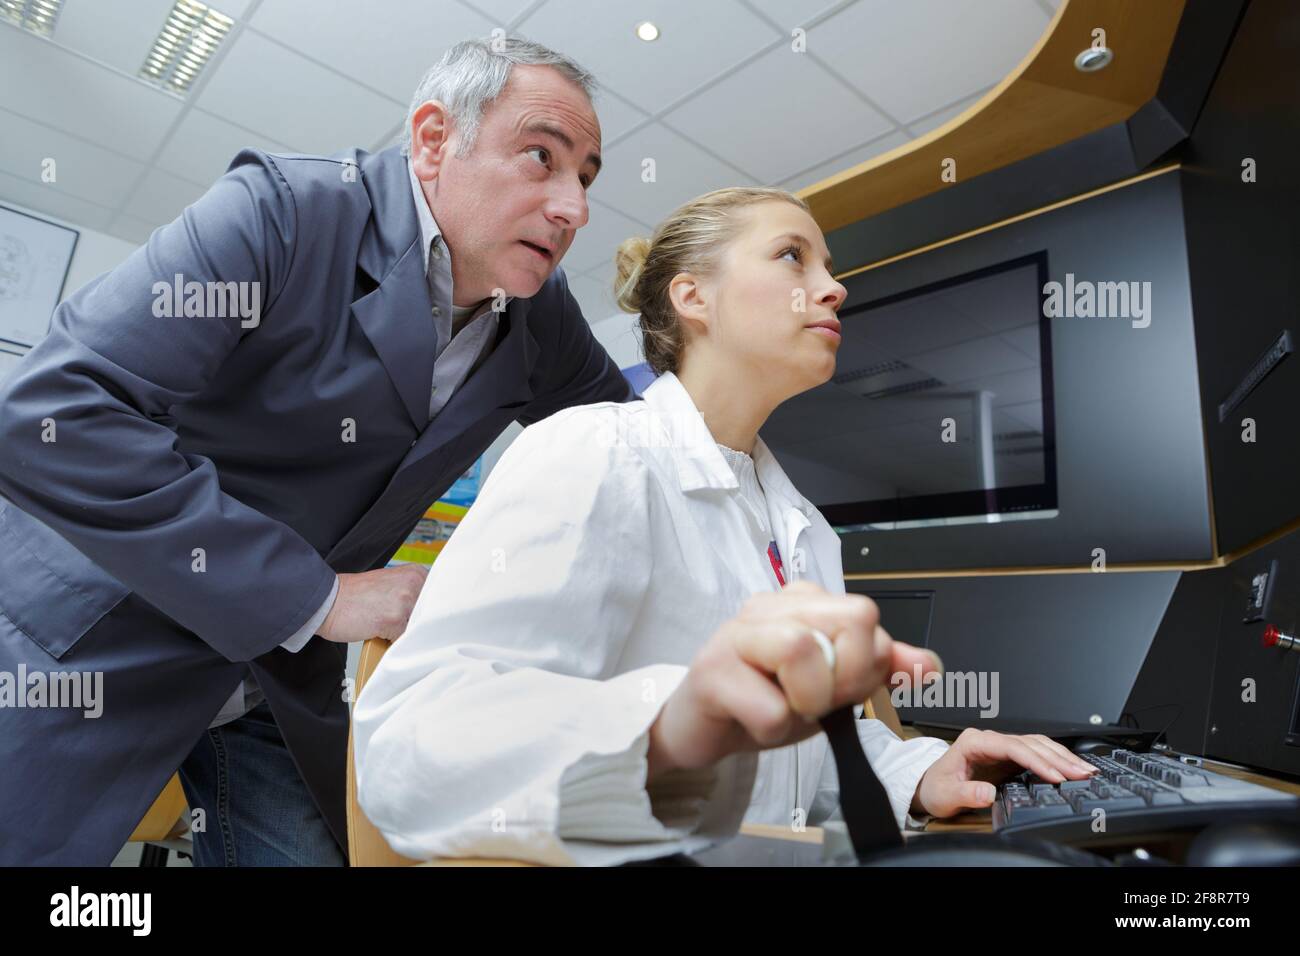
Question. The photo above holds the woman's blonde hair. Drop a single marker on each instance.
(692, 239)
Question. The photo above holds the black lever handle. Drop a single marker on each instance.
(863, 802)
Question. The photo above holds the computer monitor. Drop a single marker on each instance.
(1051, 653)
(940, 410)
(974, 421)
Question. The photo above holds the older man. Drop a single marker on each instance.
(212, 456)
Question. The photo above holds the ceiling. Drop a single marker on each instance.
(719, 99)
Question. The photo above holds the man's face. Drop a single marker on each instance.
(509, 210)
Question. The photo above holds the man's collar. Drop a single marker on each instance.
(428, 226)
(429, 230)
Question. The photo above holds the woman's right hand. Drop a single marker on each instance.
(761, 681)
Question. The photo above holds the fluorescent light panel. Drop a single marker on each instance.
(184, 46)
(35, 16)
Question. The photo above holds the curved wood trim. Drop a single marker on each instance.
(1018, 217)
(1042, 103)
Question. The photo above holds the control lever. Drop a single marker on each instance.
(865, 806)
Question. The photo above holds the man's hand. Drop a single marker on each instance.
(964, 776)
(761, 680)
(373, 604)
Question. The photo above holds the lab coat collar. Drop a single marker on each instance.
(699, 463)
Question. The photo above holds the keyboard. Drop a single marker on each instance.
(1138, 794)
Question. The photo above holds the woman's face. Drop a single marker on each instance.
(774, 300)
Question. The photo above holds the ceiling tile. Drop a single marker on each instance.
(42, 81)
(595, 242)
(60, 205)
(203, 145)
(392, 137)
(502, 11)
(861, 154)
(789, 14)
(697, 42)
(231, 8)
(400, 44)
(162, 197)
(616, 116)
(682, 171)
(933, 121)
(265, 87)
(132, 230)
(895, 54)
(778, 115)
(80, 169)
(117, 32)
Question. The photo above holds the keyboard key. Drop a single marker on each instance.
(1030, 814)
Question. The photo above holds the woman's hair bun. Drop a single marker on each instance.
(629, 261)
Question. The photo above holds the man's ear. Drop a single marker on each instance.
(690, 298)
(430, 134)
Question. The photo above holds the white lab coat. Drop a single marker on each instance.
(511, 718)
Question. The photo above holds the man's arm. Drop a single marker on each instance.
(305, 633)
(112, 481)
(584, 373)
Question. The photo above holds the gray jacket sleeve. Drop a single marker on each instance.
(84, 447)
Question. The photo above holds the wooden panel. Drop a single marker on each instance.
(366, 845)
(1043, 103)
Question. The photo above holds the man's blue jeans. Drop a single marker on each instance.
(257, 810)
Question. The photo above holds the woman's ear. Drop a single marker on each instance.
(689, 297)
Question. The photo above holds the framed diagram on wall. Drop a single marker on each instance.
(35, 256)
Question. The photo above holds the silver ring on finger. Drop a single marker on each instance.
(827, 646)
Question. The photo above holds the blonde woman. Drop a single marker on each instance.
(623, 649)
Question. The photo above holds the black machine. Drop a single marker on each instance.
(1062, 453)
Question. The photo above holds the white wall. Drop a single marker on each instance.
(621, 339)
(96, 253)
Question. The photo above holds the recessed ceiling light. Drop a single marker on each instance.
(647, 31)
(185, 44)
(1093, 59)
(35, 16)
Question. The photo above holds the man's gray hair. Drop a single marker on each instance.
(472, 73)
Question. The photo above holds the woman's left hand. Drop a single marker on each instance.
(964, 776)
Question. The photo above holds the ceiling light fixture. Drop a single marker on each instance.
(185, 44)
(34, 16)
(1093, 59)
